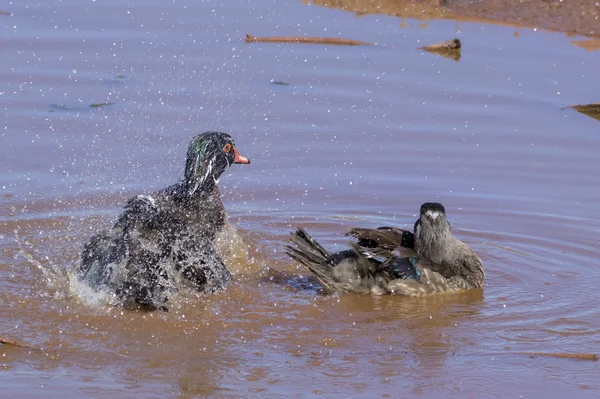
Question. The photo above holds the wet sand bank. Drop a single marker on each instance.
(573, 17)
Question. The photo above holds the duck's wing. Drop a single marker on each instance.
(139, 212)
(462, 265)
(366, 265)
(401, 267)
(382, 240)
(373, 275)
(111, 254)
(472, 274)
(350, 271)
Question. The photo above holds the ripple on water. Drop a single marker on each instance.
(566, 327)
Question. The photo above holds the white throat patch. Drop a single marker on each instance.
(433, 214)
(209, 169)
(207, 172)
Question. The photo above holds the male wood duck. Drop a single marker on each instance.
(167, 236)
(391, 260)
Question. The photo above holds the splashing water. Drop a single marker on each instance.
(63, 282)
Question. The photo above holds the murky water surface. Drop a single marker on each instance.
(360, 136)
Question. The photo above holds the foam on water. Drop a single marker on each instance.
(85, 294)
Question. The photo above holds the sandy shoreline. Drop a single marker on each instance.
(576, 17)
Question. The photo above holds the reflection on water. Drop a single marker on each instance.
(356, 137)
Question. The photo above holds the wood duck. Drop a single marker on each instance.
(167, 236)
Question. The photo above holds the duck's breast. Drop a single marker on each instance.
(202, 216)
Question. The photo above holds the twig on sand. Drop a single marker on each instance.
(306, 40)
(12, 342)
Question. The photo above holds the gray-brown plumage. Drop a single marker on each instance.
(432, 239)
(345, 271)
(392, 260)
(450, 257)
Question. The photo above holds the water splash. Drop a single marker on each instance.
(51, 274)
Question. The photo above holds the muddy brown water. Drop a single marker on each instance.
(359, 137)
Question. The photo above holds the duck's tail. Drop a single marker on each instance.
(306, 251)
(311, 254)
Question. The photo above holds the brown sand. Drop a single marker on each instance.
(581, 17)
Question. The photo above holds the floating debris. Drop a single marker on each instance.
(580, 356)
(279, 82)
(5, 13)
(99, 105)
(12, 342)
(448, 49)
(78, 108)
(560, 355)
(306, 40)
(119, 80)
(453, 44)
(592, 110)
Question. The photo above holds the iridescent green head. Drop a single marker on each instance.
(208, 156)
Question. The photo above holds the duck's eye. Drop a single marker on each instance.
(227, 147)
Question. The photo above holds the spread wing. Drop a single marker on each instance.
(382, 241)
(108, 248)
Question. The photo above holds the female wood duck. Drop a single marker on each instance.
(167, 236)
(391, 260)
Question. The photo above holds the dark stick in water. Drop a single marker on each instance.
(304, 39)
(453, 44)
(581, 356)
(12, 342)
(448, 49)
